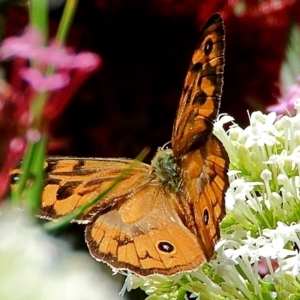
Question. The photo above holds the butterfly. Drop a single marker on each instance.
(161, 218)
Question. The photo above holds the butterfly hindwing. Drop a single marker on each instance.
(145, 235)
(204, 181)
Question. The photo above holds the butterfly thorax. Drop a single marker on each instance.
(166, 169)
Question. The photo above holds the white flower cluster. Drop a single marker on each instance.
(258, 254)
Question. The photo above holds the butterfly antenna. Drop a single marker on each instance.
(165, 145)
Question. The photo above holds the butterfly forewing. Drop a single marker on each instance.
(73, 182)
(201, 157)
(201, 96)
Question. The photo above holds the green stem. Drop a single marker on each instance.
(25, 170)
(34, 192)
(37, 107)
(31, 178)
(38, 16)
(66, 20)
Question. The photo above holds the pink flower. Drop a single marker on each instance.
(54, 70)
(30, 46)
(264, 267)
(286, 103)
(43, 83)
(25, 46)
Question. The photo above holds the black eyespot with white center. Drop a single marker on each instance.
(165, 247)
(14, 178)
(206, 216)
(208, 47)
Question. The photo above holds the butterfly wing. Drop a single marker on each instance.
(204, 183)
(201, 157)
(73, 182)
(201, 96)
(145, 235)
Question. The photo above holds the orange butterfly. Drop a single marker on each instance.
(161, 218)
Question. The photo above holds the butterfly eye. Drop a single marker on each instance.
(208, 47)
(165, 247)
(206, 217)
